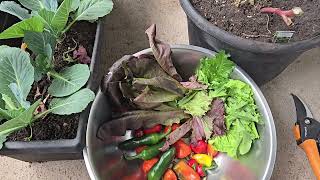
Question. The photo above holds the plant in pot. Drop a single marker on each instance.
(262, 36)
(45, 92)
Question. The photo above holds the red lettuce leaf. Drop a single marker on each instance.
(216, 115)
(162, 53)
(193, 84)
(174, 136)
(132, 120)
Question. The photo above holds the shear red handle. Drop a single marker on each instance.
(311, 149)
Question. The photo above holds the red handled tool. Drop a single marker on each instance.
(307, 134)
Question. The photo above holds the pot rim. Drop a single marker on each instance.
(242, 43)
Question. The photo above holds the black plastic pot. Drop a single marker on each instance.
(262, 61)
(64, 149)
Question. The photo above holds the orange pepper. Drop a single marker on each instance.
(148, 164)
(182, 149)
(211, 151)
(185, 172)
(140, 149)
(169, 175)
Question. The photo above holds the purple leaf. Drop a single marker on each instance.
(193, 84)
(174, 136)
(81, 55)
(198, 130)
(216, 114)
(162, 53)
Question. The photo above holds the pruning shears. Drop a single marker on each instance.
(307, 134)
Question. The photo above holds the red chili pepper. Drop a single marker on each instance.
(154, 129)
(182, 149)
(148, 164)
(200, 147)
(192, 163)
(138, 133)
(173, 127)
(200, 171)
(140, 149)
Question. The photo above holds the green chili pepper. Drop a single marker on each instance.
(150, 139)
(148, 153)
(162, 165)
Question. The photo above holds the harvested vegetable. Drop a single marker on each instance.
(147, 94)
(192, 163)
(203, 159)
(182, 149)
(200, 170)
(148, 164)
(140, 149)
(169, 175)
(155, 129)
(200, 147)
(211, 151)
(149, 139)
(147, 153)
(185, 172)
(160, 167)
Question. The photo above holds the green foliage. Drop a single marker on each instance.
(16, 74)
(15, 9)
(215, 70)
(17, 30)
(91, 10)
(75, 103)
(69, 80)
(22, 120)
(198, 104)
(60, 18)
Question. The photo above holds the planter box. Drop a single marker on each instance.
(262, 61)
(64, 149)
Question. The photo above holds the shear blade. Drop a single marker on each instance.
(302, 109)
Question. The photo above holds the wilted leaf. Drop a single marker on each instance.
(69, 80)
(17, 30)
(91, 10)
(14, 9)
(140, 118)
(75, 103)
(177, 134)
(162, 53)
(81, 55)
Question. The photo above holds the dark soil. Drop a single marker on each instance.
(54, 127)
(246, 21)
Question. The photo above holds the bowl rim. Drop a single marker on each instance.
(239, 71)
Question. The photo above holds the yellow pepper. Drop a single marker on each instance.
(203, 159)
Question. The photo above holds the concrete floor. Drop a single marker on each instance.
(125, 35)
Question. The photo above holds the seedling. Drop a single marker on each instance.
(286, 15)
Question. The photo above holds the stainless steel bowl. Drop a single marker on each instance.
(104, 160)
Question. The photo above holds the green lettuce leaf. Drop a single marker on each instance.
(198, 105)
(236, 142)
(215, 70)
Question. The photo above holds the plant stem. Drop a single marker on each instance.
(69, 26)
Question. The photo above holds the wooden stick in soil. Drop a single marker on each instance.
(286, 15)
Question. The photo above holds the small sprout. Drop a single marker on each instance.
(286, 15)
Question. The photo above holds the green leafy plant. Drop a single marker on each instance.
(43, 22)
